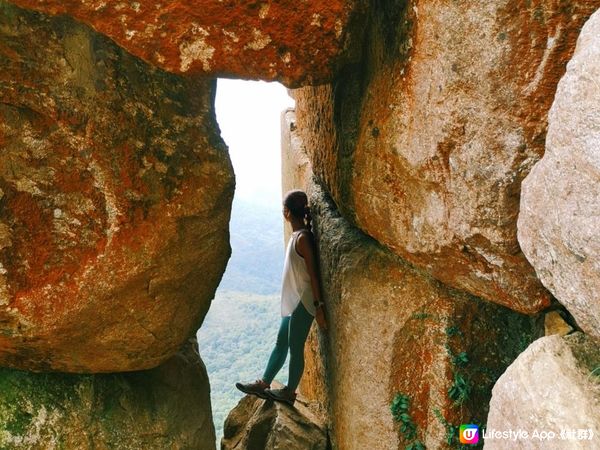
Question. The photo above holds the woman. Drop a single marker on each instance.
(300, 303)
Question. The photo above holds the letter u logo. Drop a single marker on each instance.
(469, 434)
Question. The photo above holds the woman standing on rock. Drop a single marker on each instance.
(300, 303)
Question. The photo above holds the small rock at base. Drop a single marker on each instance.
(555, 324)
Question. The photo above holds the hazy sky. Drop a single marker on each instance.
(249, 115)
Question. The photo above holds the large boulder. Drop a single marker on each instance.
(552, 387)
(115, 195)
(395, 333)
(164, 407)
(559, 222)
(424, 143)
(290, 41)
(256, 424)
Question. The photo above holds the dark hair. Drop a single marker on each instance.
(297, 202)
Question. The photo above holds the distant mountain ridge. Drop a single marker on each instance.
(256, 261)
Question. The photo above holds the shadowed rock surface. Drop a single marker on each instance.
(115, 194)
(424, 144)
(552, 386)
(559, 223)
(257, 424)
(289, 41)
(167, 407)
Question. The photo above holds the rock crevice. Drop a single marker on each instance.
(559, 223)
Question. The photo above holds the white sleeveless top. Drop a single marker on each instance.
(295, 286)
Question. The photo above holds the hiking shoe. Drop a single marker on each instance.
(284, 395)
(257, 388)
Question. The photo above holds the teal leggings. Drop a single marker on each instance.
(292, 334)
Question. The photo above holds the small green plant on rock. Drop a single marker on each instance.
(417, 445)
(452, 330)
(460, 360)
(460, 390)
(400, 413)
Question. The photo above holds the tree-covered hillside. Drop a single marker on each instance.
(235, 342)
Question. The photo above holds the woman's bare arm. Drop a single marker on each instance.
(306, 247)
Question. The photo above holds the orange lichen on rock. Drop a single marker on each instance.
(115, 200)
(290, 41)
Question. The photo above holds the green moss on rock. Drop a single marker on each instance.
(164, 407)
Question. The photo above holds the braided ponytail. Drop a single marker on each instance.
(307, 217)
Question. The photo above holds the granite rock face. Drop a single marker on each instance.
(559, 222)
(424, 143)
(256, 424)
(552, 386)
(164, 407)
(289, 41)
(396, 331)
(295, 165)
(115, 194)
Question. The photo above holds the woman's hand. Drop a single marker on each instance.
(320, 318)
